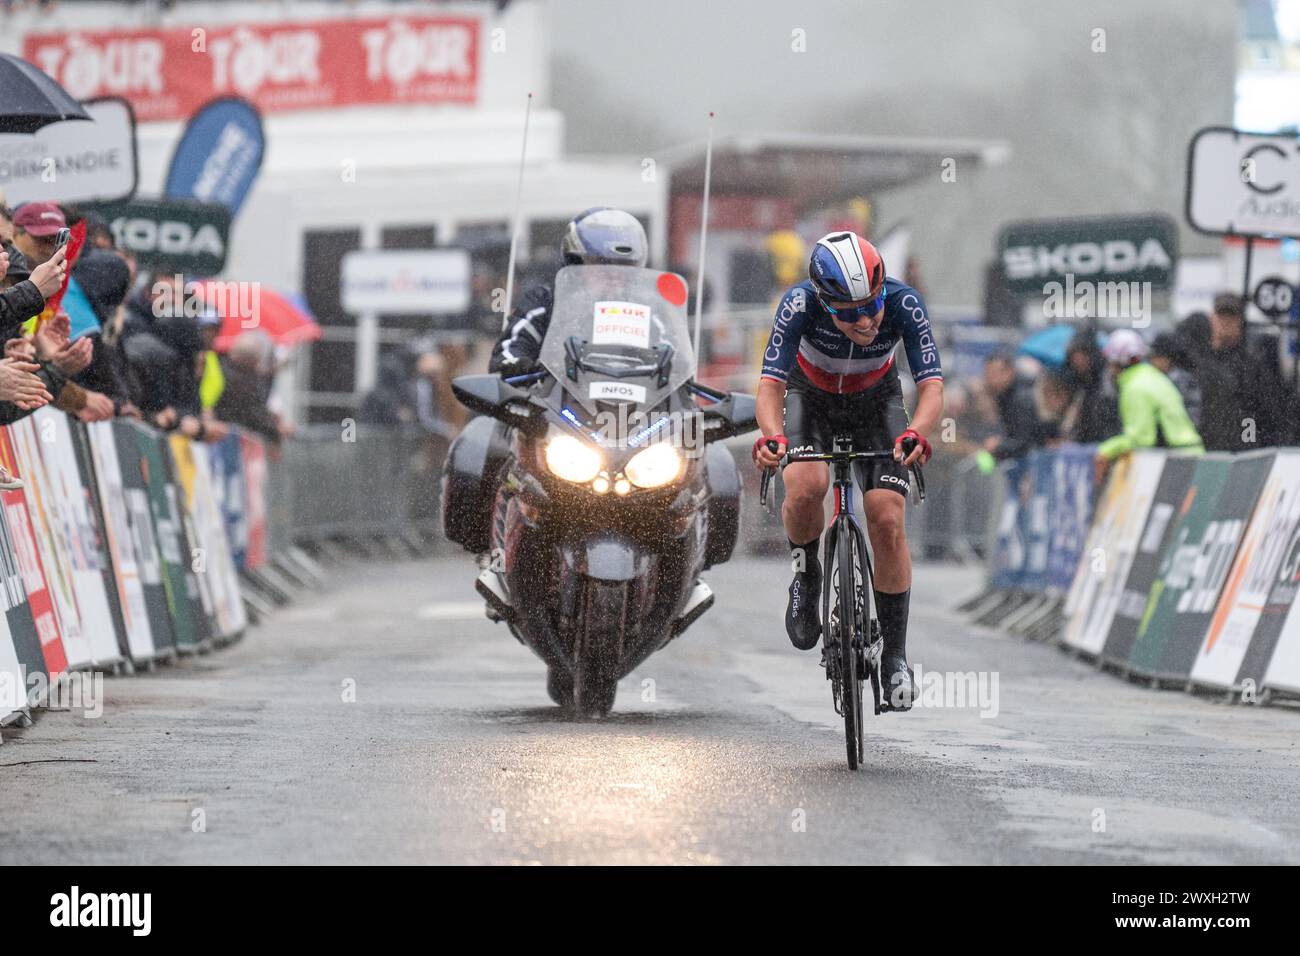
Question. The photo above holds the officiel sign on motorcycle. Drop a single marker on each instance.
(171, 235)
(1097, 249)
(1243, 184)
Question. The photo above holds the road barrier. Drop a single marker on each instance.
(1183, 572)
(124, 547)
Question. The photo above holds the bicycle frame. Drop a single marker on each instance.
(851, 648)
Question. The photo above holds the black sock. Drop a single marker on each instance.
(891, 609)
(811, 562)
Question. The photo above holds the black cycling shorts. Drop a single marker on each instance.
(873, 418)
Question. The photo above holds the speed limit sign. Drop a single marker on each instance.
(1275, 297)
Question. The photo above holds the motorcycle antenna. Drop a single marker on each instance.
(514, 224)
(704, 234)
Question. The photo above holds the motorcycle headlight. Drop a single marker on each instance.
(571, 459)
(654, 467)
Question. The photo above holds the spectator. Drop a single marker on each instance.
(246, 370)
(1167, 354)
(1244, 402)
(1095, 413)
(1022, 430)
(388, 403)
(1150, 407)
(24, 298)
(104, 278)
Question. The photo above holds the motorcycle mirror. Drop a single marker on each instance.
(731, 416)
(490, 395)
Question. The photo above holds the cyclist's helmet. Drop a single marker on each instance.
(603, 236)
(846, 268)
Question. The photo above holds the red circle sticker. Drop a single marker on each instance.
(672, 288)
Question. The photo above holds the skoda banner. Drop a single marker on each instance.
(219, 154)
(171, 235)
(1093, 249)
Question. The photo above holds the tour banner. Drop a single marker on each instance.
(189, 625)
(169, 72)
(1161, 520)
(1070, 513)
(39, 599)
(1244, 613)
(229, 489)
(255, 502)
(1218, 505)
(1112, 543)
(69, 550)
(212, 553)
(128, 573)
(140, 525)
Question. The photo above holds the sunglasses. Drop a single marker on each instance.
(852, 312)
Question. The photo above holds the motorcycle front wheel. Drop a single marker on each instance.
(597, 648)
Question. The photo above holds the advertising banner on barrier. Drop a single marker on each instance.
(189, 625)
(13, 682)
(231, 493)
(1215, 511)
(144, 536)
(1070, 511)
(1245, 606)
(1157, 532)
(254, 455)
(97, 518)
(39, 600)
(17, 612)
(1283, 670)
(1108, 555)
(57, 499)
(1011, 551)
(128, 574)
(215, 569)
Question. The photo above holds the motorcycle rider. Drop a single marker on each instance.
(598, 236)
(828, 369)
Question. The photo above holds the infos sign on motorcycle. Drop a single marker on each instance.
(593, 488)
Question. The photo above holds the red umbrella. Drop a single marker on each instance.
(248, 306)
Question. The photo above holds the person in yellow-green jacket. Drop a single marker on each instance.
(1151, 409)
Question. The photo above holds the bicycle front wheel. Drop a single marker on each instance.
(848, 576)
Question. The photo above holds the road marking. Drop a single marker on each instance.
(450, 611)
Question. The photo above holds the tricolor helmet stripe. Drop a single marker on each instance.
(861, 270)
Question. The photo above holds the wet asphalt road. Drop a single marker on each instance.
(723, 749)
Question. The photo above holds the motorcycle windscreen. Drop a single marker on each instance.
(618, 334)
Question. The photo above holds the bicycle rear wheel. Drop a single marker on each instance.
(848, 578)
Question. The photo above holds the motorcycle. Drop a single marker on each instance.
(594, 489)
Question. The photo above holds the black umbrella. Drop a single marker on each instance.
(30, 100)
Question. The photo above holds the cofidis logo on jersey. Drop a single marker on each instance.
(911, 303)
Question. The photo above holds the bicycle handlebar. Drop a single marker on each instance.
(841, 456)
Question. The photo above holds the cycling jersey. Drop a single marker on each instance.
(803, 333)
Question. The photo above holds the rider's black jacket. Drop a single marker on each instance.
(520, 343)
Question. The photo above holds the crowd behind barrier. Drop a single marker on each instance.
(124, 546)
(1180, 570)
